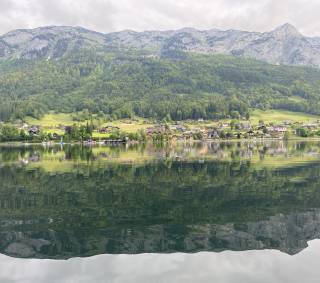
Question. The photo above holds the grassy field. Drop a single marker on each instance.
(278, 116)
(53, 123)
(52, 120)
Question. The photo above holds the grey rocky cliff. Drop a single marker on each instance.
(284, 45)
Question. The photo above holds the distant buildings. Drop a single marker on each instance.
(277, 131)
(108, 129)
(34, 131)
(156, 130)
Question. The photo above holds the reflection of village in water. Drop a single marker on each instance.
(255, 151)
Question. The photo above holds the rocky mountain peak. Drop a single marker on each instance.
(286, 30)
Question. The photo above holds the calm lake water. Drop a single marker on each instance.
(219, 212)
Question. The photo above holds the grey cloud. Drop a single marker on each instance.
(96, 14)
(114, 15)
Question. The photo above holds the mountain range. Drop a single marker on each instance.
(283, 46)
(163, 75)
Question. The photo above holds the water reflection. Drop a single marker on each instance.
(68, 202)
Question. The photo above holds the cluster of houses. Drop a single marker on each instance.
(224, 130)
(108, 129)
(203, 131)
(31, 130)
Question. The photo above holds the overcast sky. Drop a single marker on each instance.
(115, 15)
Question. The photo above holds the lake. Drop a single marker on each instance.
(188, 212)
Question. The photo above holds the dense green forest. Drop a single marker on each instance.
(175, 86)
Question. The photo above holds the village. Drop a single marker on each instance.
(199, 130)
(237, 130)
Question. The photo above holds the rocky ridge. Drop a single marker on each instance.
(284, 45)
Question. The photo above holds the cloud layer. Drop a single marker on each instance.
(115, 15)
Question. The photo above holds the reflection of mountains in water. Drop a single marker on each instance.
(159, 207)
(287, 233)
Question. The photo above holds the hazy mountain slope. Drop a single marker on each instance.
(284, 45)
(47, 42)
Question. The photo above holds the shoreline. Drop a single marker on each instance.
(17, 144)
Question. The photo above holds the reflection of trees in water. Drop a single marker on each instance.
(206, 187)
(195, 206)
(157, 207)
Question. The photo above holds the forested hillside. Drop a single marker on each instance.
(176, 86)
